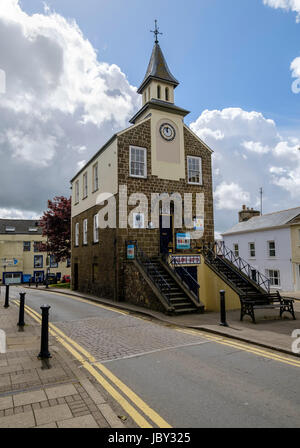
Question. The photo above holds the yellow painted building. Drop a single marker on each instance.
(295, 239)
(20, 258)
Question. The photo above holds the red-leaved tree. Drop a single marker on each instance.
(56, 225)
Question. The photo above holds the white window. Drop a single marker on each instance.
(85, 231)
(272, 250)
(138, 162)
(194, 170)
(274, 277)
(236, 250)
(77, 234)
(85, 185)
(96, 230)
(95, 177)
(251, 250)
(138, 221)
(76, 191)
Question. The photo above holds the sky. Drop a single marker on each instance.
(72, 69)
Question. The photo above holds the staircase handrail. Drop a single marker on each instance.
(175, 263)
(150, 268)
(220, 250)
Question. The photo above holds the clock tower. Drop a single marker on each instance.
(167, 135)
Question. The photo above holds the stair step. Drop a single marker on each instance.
(185, 310)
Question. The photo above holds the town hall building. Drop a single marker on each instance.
(155, 262)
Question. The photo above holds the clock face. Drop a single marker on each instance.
(167, 132)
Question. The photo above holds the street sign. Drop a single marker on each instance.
(9, 262)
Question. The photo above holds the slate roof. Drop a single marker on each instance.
(158, 69)
(21, 227)
(276, 219)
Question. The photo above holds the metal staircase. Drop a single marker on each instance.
(239, 274)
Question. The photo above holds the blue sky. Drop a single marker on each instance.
(225, 53)
(233, 60)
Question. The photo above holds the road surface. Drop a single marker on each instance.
(191, 380)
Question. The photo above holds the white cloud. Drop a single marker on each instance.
(61, 101)
(287, 5)
(6, 213)
(256, 147)
(230, 196)
(251, 154)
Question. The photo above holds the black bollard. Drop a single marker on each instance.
(223, 309)
(21, 322)
(6, 305)
(36, 284)
(44, 353)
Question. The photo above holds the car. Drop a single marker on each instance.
(66, 279)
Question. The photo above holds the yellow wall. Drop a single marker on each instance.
(11, 246)
(295, 238)
(210, 286)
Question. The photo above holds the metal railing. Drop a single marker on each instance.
(220, 251)
(153, 273)
(183, 275)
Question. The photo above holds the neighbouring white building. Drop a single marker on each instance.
(270, 243)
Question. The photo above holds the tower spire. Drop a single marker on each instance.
(156, 32)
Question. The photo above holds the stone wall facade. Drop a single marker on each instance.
(103, 267)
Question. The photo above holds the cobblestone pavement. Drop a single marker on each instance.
(54, 394)
(124, 336)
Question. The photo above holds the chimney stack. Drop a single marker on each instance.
(246, 213)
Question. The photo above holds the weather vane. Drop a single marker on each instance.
(156, 32)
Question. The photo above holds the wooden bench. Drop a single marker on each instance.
(252, 301)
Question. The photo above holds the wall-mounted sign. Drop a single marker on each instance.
(183, 240)
(9, 262)
(130, 251)
(199, 224)
(186, 259)
(138, 220)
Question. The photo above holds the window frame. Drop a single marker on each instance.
(131, 147)
(85, 232)
(269, 249)
(28, 243)
(95, 229)
(85, 185)
(52, 264)
(236, 250)
(76, 198)
(272, 278)
(95, 177)
(34, 261)
(200, 170)
(249, 248)
(76, 234)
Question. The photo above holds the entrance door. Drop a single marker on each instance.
(75, 285)
(166, 232)
(39, 276)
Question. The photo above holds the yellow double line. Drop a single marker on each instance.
(217, 339)
(244, 347)
(86, 359)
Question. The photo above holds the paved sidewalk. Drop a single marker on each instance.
(270, 331)
(47, 394)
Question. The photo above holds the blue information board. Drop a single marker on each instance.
(183, 240)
